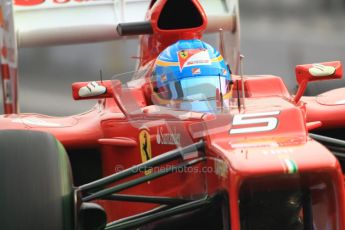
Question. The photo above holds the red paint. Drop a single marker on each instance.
(28, 2)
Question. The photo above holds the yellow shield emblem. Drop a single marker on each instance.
(145, 147)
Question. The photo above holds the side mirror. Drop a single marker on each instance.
(316, 72)
(92, 90)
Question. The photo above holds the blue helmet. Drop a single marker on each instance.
(191, 73)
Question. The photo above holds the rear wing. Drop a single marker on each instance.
(30, 23)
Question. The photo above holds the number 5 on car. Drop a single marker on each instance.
(261, 122)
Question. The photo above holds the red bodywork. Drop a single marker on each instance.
(242, 157)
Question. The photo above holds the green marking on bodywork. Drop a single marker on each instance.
(66, 187)
(291, 165)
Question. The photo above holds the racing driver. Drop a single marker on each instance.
(191, 75)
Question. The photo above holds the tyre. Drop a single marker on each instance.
(36, 189)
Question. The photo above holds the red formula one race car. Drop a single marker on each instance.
(184, 142)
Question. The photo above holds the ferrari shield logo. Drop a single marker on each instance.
(183, 54)
(145, 147)
(193, 57)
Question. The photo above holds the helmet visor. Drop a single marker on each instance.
(195, 89)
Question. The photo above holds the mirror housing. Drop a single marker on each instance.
(316, 72)
(92, 90)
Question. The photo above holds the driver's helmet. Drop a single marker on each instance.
(191, 75)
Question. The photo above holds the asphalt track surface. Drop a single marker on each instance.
(275, 36)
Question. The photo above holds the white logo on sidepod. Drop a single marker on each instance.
(168, 138)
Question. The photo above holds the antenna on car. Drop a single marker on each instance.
(101, 75)
(242, 81)
(221, 42)
(238, 96)
(220, 93)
